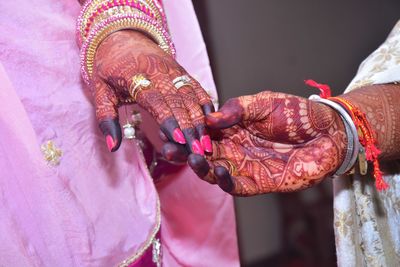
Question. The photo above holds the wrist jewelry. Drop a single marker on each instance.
(367, 139)
(98, 10)
(100, 18)
(368, 143)
(114, 24)
(353, 145)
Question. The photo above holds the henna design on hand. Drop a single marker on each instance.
(274, 143)
(380, 103)
(127, 53)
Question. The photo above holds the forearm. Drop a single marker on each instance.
(381, 104)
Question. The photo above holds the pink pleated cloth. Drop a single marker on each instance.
(92, 207)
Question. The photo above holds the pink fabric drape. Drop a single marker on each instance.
(95, 208)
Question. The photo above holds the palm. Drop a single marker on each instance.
(278, 143)
(262, 166)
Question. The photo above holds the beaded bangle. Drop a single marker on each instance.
(116, 23)
(110, 11)
(156, 5)
(94, 9)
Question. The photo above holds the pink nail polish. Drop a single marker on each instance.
(110, 142)
(196, 147)
(179, 137)
(206, 143)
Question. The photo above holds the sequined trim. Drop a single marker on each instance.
(157, 252)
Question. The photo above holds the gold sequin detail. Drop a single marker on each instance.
(51, 153)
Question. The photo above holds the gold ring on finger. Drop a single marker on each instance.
(139, 82)
(181, 81)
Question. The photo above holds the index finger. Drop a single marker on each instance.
(203, 97)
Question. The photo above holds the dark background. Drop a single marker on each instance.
(256, 45)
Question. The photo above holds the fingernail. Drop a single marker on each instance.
(110, 142)
(206, 143)
(179, 137)
(196, 147)
(224, 179)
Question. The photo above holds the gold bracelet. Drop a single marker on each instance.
(117, 23)
(95, 8)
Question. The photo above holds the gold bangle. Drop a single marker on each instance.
(95, 5)
(105, 28)
(156, 9)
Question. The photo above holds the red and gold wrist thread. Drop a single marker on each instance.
(367, 138)
(366, 133)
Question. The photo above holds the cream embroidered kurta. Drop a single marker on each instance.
(367, 222)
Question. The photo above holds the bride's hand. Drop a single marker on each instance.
(180, 113)
(272, 142)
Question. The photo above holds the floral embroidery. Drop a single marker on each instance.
(388, 52)
(362, 82)
(51, 153)
(366, 222)
(343, 221)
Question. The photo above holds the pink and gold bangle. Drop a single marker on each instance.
(112, 9)
(96, 10)
(155, 4)
(91, 6)
(116, 23)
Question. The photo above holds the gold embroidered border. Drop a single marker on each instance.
(147, 243)
(153, 234)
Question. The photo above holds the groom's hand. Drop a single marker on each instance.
(271, 142)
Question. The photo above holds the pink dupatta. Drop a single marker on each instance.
(94, 208)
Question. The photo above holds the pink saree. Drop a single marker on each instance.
(93, 208)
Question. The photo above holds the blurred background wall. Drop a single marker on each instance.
(256, 45)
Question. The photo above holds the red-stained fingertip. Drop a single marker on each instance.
(179, 137)
(214, 118)
(206, 143)
(196, 147)
(110, 142)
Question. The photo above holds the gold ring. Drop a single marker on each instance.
(139, 82)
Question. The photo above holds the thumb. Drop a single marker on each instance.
(107, 115)
(230, 114)
(244, 108)
(111, 129)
